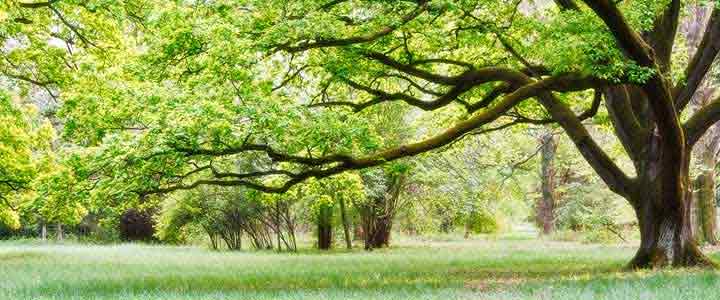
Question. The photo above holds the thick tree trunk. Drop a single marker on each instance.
(377, 226)
(546, 203)
(664, 218)
(665, 239)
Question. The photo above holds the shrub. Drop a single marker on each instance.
(483, 222)
(136, 225)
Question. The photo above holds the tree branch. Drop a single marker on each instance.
(37, 4)
(341, 163)
(634, 46)
(327, 43)
(567, 4)
(701, 121)
(700, 63)
(627, 127)
(71, 27)
(662, 37)
(411, 70)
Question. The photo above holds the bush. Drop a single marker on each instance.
(483, 222)
(6, 232)
(136, 225)
(600, 236)
(590, 211)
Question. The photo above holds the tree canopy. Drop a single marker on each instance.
(155, 97)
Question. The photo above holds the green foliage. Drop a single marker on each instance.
(483, 222)
(205, 75)
(209, 211)
(599, 215)
(157, 95)
(25, 140)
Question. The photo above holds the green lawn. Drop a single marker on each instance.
(479, 269)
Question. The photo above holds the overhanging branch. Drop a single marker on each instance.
(701, 121)
(700, 63)
(327, 43)
(627, 38)
(333, 164)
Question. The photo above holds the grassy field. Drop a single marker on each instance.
(476, 269)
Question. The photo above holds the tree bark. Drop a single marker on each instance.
(379, 236)
(705, 201)
(547, 202)
(59, 233)
(378, 216)
(43, 232)
(358, 232)
(325, 232)
(665, 221)
(346, 223)
(278, 231)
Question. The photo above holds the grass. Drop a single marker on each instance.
(505, 268)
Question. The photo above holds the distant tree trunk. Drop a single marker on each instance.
(379, 236)
(290, 226)
(545, 207)
(706, 150)
(705, 200)
(379, 214)
(706, 153)
(59, 233)
(213, 241)
(325, 231)
(43, 231)
(280, 221)
(346, 222)
(233, 239)
(278, 226)
(260, 235)
(358, 233)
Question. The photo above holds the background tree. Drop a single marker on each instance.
(378, 210)
(17, 168)
(326, 197)
(26, 155)
(706, 151)
(548, 182)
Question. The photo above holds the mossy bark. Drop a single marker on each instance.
(664, 218)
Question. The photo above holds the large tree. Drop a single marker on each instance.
(297, 84)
